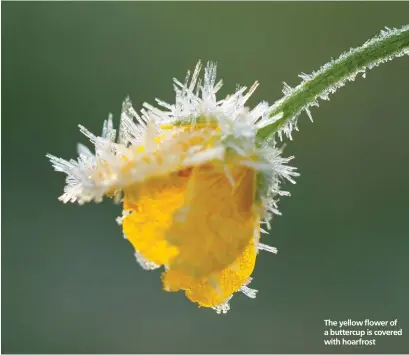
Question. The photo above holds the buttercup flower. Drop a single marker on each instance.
(194, 182)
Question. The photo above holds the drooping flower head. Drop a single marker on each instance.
(194, 182)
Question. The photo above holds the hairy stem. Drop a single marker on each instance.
(333, 75)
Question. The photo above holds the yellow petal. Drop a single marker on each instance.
(152, 206)
(155, 202)
(214, 290)
(218, 220)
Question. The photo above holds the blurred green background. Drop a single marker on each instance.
(70, 282)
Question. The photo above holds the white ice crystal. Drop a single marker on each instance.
(92, 176)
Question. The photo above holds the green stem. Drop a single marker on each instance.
(388, 45)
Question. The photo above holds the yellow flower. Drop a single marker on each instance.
(194, 183)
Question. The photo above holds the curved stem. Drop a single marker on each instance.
(333, 75)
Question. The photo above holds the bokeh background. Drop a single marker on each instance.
(70, 283)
